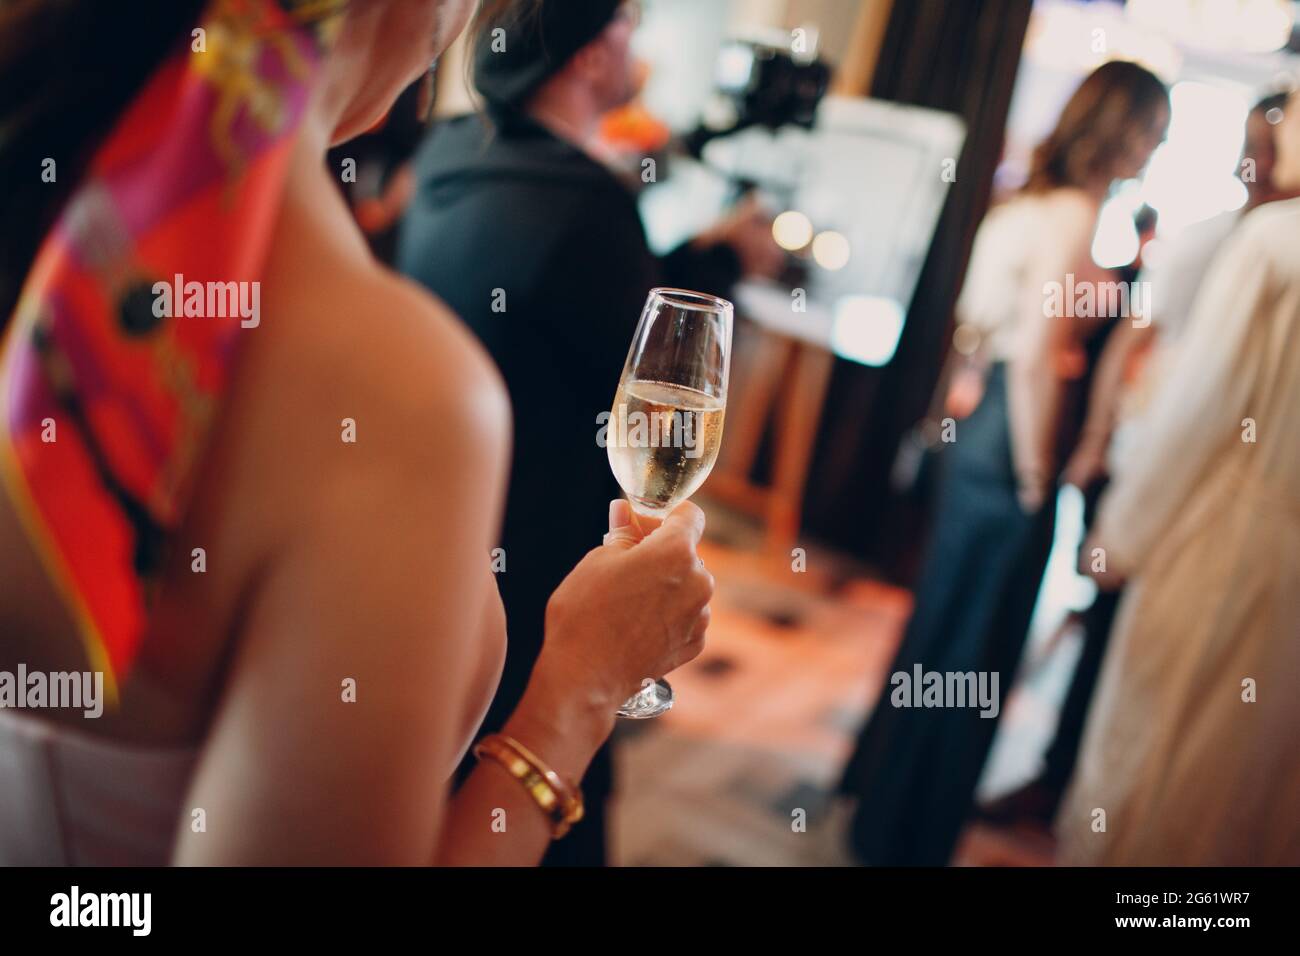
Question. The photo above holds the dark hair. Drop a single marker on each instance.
(1116, 101)
(68, 68)
(490, 15)
(496, 13)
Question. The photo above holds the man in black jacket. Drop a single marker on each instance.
(540, 249)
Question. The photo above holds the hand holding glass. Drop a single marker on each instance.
(666, 424)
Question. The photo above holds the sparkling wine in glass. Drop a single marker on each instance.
(666, 424)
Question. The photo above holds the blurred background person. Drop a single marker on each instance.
(540, 249)
(914, 771)
(1189, 750)
(1117, 394)
(1174, 277)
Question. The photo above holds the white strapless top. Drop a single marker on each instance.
(68, 799)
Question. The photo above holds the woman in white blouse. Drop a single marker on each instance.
(915, 770)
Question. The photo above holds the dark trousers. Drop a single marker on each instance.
(1059, 760)
(914, 770)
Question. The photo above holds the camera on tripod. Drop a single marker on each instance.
(759, 83)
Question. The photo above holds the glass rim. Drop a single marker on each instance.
(689, 299)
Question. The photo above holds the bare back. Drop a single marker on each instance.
(340, 339)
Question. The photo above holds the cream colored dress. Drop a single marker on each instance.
(1206, 525)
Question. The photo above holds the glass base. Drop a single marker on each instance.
(654, 700)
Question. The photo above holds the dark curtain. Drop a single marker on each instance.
(961, 58)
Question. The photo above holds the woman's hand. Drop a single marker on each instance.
(1087, 465)
(635, 608)
(632, 609)
(1031, 489)
(1092, 564)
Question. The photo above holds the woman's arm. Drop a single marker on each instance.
(376, 587)
(1034, 383)
(351, 673)
(492, 821)
(1088, 462)
(582, 676)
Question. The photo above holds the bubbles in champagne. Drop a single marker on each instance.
(662, 442)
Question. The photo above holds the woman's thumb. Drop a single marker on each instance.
(622, 532)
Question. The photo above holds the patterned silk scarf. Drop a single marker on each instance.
(110, 380)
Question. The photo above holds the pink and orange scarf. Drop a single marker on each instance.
(105, 407)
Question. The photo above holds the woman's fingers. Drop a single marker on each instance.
(622, 532)
(620, 514)
(687, 519)
(702, 621)
(651, 591)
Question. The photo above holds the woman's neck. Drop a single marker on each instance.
(312, 192)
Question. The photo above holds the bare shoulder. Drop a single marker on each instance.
(358, 383)
(367, 346)
(386, 339)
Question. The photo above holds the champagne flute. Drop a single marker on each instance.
(666, 424)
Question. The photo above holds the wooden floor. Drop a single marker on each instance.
(742, 771)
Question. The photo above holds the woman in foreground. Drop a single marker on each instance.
(280, 563)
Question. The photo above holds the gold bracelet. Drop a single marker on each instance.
(559, 801)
